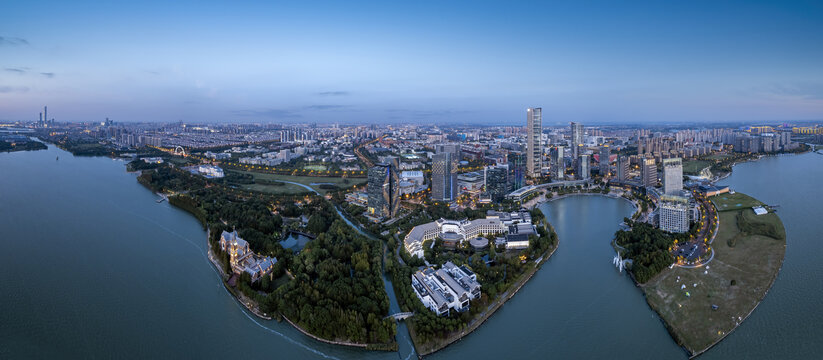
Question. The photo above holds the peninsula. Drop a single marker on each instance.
(702, 304)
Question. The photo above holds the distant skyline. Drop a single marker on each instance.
(418, 62)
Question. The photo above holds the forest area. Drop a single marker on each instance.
(336, 292)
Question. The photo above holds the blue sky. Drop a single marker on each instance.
(432, 62)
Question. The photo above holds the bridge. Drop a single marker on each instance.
(400, 316)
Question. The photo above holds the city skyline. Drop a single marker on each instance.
(437, 63)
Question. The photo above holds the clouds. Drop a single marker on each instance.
(268, 113)
(325, 107)
(25, 70)
(334, 93)
(12, 41)
(425, 114)
(286, 113)
(13, 89)
(804, 90)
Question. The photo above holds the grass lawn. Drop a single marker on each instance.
(752, 264)
(311, 181)
(276, 189)
(315, 167)
(718, 156)
(736, 201)
(280, 281)
(693, 167)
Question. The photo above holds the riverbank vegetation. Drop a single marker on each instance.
(11, 146)
(693, 167)
(718, 297)
(80, 146)
(648, 248)
(722, 163)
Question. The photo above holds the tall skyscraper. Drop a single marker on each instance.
(648, 170)
(384, 189)
(517, 170)
(583, 172)
(444, 177)
(454, 149)
(558, 163)
(622, 168)
(576, 141)
(605, 153)
(496, 182)
(672, 176)
(534, 127)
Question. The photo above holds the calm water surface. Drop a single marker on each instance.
(92, 266)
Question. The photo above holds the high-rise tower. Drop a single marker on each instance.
(558, 163)
(384, 189)
(583, 172)
(622, 168)
(672, 176)
(605, 154)
(444, 177)
(534, 155)
(648, 170)
(576, 142)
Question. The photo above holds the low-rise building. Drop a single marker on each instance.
(358, 198)
(455, 232)
(242, 259)
(471, 183)
(153, 160)
(450, 287)
(210, 171)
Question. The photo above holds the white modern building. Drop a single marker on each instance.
(534, 144)
(455, 232)
(674, 214)
(450, 287)
(210, 171)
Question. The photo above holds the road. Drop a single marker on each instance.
(694, 250)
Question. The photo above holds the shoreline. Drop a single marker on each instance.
(771, 284)
(315, 337)
(490, 311)
(757, 158)
(510, 294)
(692, 353)
(253, 307)
(250, 305)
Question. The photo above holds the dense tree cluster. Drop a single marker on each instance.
(338, 292)
(6, 146)
(648, 247)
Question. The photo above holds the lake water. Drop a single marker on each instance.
(296, 242)
(92, 266)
